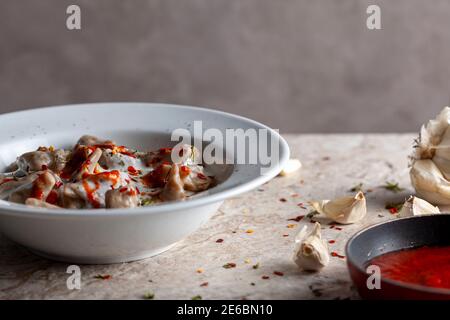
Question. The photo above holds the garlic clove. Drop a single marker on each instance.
(345, 210)
(311, 251)
(291, 166)
(414, 206)
(431, 135)
(429, 182)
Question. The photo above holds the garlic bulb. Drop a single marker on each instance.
(291, 166)
(430, 167)
(311, 251)
(343, 210)
(415, 206)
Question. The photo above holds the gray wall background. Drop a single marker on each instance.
(297, 65)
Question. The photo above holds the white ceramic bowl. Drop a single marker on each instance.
(117, 235)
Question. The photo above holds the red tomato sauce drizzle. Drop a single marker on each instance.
(113, 176)
(426, 266)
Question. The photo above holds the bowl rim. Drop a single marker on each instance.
(404, 285)
(12, 209)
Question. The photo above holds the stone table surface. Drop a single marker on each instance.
(332, 165)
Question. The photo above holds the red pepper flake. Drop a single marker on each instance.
(393, 210)
(165, 150)
(394, 207)
(103, 276)
(52, 197)
(283, 199)
(184, 171)
(219, 240)
(338, 228)
(265, 277)
(278, 273)
(6, 180)
(285, 235)
(332, 226)
(229, 265)
(331, 241)
(301, 205)
(335, 254)
(201, 176)
(204, 284)
(297, 219)
(133, 171)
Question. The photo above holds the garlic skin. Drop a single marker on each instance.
(414, 206)
(431, 135)
(429, 182)
(311, 251)
(345, 210)
(430, 167)
(291, 166)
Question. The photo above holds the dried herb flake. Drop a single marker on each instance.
(392, 186)
(149, 296)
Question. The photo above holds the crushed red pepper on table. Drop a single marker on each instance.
(265, 277)
(301, 205)
(219, 240)
(394, 208)
(204, 284)
(229, 265)
(283, 200)
(335, 254)
(103, 276)
(278, 273)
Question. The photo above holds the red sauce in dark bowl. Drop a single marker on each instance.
(426, 266)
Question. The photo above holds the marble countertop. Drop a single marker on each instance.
(254, 230)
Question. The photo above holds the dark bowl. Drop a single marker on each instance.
(394, 235)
